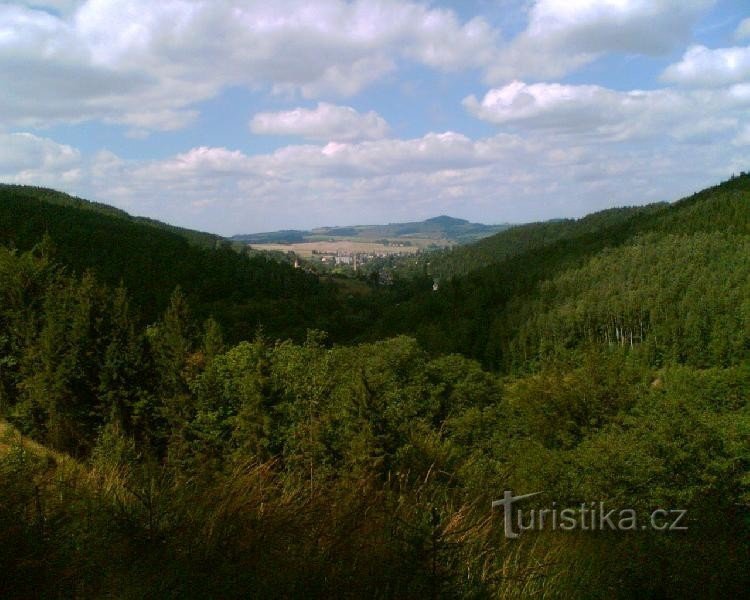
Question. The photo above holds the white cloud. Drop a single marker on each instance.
(335, 182)
(590, 111)
(702, 67)
(325, 122)
(50, 76)
(561, 150)
(538, 174)
(743, 30)
(53, 6)
(434, 151)
(547, 105)
(147, 64)
(27, 158)
(563, 35)
(144, 63)
(443, 43)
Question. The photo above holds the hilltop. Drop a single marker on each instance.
(438, 231)
(53, 197)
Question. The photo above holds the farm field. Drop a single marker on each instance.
(307, 249)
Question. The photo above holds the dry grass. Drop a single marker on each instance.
(11, 438)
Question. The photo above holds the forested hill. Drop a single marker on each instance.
(715, 208)
(199, 238)
(517, 240)
(669, 279)
(151, 259)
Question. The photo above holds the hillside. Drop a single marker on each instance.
(518, 239)
(488, 288)
(199, 238)
(703, 211)
(151, 259)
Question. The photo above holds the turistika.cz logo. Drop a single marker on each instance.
(591, 516)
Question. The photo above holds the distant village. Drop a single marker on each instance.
(356, 259)
(378, 264)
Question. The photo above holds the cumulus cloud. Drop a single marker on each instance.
(27, 158)
(547, 105)
(344, 182)
(325, 122)
(563, 35)
(145, 64)
(702, 67)
(560, 149)
(443, 43)
(512, 176)
(50, 76)
(591, 111)
(53, 6)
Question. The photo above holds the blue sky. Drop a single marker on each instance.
(241, 116)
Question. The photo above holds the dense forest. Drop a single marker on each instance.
(182, 420)
(242, 291)
(674, 276)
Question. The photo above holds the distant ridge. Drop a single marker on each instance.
(445, 229)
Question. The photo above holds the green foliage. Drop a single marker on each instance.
(207, 467)
(673, 298)
(241, 292)
(670, 280)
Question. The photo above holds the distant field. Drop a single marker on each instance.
(439, 231)
(415, 240)
(305, 249)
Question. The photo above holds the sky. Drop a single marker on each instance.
(240, 116)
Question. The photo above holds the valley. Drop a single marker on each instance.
(168, 398)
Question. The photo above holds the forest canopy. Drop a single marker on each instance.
(180, 419)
